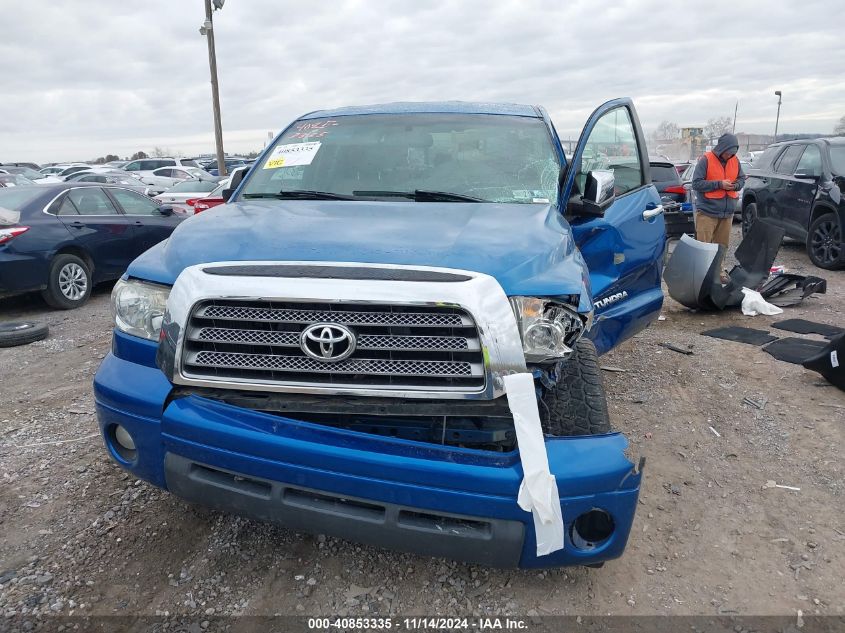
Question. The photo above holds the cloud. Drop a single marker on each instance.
(84, 79)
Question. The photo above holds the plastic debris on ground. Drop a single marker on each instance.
(753, 304)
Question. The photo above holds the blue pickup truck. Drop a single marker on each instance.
(329, 349)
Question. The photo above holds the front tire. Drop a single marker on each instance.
(749, 217)
(824, 242)
(69, 283)
(577, 404)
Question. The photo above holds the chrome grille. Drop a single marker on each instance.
(397, 346)
(306, 364)
(293, 315)
(366, 341)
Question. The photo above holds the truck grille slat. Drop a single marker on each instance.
(365, 341)
(288, 315)
(359, 366)
(260, 342)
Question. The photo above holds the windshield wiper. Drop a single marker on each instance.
(300, 194)
(420, 195)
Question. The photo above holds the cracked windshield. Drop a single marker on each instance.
(484, 158)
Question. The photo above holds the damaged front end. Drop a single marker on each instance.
(471, 424)
(411, 443)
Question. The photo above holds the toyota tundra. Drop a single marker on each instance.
(330, 350)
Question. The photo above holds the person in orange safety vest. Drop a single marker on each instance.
(717, 179)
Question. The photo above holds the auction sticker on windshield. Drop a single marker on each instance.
(292, 155)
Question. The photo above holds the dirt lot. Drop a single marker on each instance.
(79, 535)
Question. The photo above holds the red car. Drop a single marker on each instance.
(211, 200)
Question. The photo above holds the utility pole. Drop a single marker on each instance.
(207, 29)
(736, 107)
(777, 118)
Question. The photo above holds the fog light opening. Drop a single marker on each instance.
(592, 529)
(122, 443)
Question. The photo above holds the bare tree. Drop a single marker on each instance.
(718, 126)
(138, 155)
(839, 130)
(667, 131)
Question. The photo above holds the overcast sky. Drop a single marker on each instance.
(82, 78)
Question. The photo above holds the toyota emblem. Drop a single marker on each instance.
(327, 341)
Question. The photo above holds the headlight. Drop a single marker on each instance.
(548, 329)
(138, 307)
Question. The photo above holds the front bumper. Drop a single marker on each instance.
(400, 494)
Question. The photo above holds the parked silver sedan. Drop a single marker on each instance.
(164, 178)
(179, 195)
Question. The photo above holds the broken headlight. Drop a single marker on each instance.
(138, 307)
(548, 329)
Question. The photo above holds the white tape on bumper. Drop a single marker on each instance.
(538, 492)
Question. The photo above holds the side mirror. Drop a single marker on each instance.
(598, 194)
(166, 209)
(236, 177)
(234, 180)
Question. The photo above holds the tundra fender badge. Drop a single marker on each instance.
(603, 303)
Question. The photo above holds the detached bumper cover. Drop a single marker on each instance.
(693, 278)
(399, 494)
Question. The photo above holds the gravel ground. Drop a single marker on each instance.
(81, 536)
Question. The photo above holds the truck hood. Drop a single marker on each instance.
(528, 248)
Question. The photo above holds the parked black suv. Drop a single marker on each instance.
(799, 186)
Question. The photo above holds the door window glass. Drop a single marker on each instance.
(134, 203)
(66, 208)
(787, 161)
(811, 162)
(612, 145)
(765, 159)
(133, 166)
(166, 172)
(92, 201)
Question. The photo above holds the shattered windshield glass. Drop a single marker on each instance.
(491, 158)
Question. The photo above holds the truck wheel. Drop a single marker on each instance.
(69, 283)
(749, 216)
(21, 332)
(577, 404)
(824, 242)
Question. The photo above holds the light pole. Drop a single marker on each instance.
(777, 118)
(207, 29)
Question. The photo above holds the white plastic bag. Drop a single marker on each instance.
(753, 304)
(538, 492)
